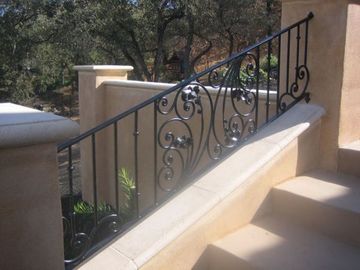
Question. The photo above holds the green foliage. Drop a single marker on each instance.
(127, 208)
(42, 40)
(85, 208)
(264, 64)
(127, 184)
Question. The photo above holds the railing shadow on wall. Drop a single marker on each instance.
(167, 141)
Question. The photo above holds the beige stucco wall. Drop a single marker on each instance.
(92, 107)
(333, 63)
(31, 230)
(350, 95)
(326, 55)
(120, 96)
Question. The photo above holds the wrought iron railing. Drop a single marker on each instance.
(160, 145)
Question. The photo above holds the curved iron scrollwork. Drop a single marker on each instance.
(296, 92)
(175, 135)
(221, 114)
(78, 241)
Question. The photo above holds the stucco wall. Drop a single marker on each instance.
(118, 96)
(333, 63)
(350, 95)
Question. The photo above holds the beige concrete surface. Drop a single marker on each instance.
(178, 237)
(350, 94)
(349, 158)
(326, 56)
(109, 259)
(333, 197)
(23, 126)
(31, 225)
(354, 145)
(273, 244)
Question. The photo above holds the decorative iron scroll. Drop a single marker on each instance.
(221, 113)
(80, 241)
(296, 93)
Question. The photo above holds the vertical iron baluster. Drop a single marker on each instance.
(94, 178)
(116, 167)
(257, 87)
(278, 77)
(288, 61)
(136, 134)
(155, 153)
(71, 191)
(306, 42)
(268, 80)
(297, 53)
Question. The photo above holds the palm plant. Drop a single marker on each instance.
(128, 187)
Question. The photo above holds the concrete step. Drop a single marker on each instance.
(273, 243)
(349, 158)
(323, 201)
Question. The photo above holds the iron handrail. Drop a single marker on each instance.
(184, 83)
(233, 114)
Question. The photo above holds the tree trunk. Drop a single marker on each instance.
(189, 41)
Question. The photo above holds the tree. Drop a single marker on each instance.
(42, 40)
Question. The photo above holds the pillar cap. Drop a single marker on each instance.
(105, 70)
(23, 126)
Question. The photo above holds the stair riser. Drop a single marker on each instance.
(349, 162)
(219, 259)
(341, 224)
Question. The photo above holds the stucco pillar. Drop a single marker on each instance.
(331, 47)
(31, 230)
(350, 95)
(93, 111)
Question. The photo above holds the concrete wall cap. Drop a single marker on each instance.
(165, 86)
(166, 224)
(104, 69)
(22, 126)
(140, 84)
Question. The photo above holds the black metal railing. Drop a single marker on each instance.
(134, 161)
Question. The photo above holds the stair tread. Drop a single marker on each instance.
(273, 243)
(334, 189)
(355, 145)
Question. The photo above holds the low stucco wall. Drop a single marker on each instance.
(221, 201)
(121, 95)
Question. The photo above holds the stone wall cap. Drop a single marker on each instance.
(140, 84)
(164, 86)
(103, 68)
(23, 126)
